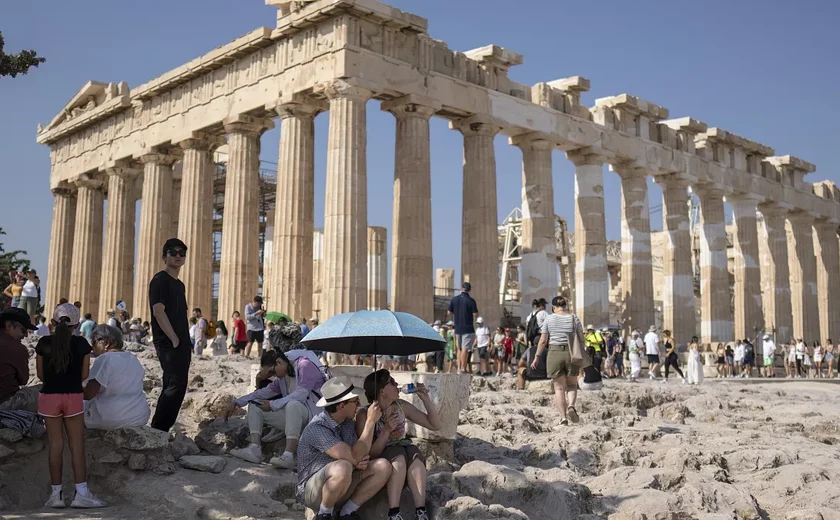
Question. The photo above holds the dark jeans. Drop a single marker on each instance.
(671, 361)
(435, 359)
(175, 363)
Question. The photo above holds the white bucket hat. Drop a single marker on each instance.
(337, 390)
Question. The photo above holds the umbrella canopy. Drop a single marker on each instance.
(374, 332)
(275, 316)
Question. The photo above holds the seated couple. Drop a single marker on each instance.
(346, 454)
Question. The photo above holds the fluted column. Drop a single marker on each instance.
(716, 313)
(195, 219)
(479, 221)
(240, 263)
(345, 208)
(537, 246)
(803, 276)
(155, 225)
(678, 291)
(317, 272)
(591, 277)
(294, 216)
(86, 272)
(828, 278)
(117, 270)
(636, 261)
(775, 274)
(411, 251)
(377, 268)
(749, 315)
(445, 282)
(61, 247)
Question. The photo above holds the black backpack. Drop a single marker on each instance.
(532, 331)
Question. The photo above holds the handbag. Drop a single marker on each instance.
(580, 357)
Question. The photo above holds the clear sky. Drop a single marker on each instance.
(763, 69)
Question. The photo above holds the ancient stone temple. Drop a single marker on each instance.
(154, 143)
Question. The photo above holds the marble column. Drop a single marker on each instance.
(377, 268)
(240, 264)
(117, 272)
(591, 276)
(86, 271)
(155, 226)
(678, 314)
(479, 221)
(636, 261)
(538, 271)
(345, 208)
(445, 282)
(195, 219)
(749, 315)
(803, 276)
(716, 301)
(295, 211)
(775, 273)
(317, 271)
(60, 261)
(411, 252)
(828, 278)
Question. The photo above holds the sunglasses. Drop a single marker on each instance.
(177, 252)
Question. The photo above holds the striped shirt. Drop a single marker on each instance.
(560, 328)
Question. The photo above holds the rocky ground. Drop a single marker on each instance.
(644, 451)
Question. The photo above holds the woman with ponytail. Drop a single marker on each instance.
(63, 363)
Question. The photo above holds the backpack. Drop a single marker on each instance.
(211, 329)
(532, 331)
(749, 350)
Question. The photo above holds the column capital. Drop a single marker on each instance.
(627, 170)
(533, 141)
(245, 124)
(122, 168)
(799, 216)
(303, 110)
(201, 141)
(774, 209)
(477, 125)
(672, 180)
(89, 181)
(411, 105)
(157, 157)
(744, 198)
(67, 190)
(587, 156)
(710, 191)
(340, 88)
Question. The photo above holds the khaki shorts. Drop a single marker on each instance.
(315, 484)
(559, 362)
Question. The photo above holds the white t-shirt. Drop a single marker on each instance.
(42, 330)
(112, 322)
(482, 336)
(769, 348)
(121, 400)
(651, 347)
(30, 290)
(740, 350)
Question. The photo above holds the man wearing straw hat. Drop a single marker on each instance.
(333, 463)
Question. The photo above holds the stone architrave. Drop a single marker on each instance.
(294, 216)
(636, 260)
(775, 274)
(479, 224)
(86, 271)
(317, 271)
(803, 276)
(117, 273)
(716, 308)
(377, 268)
(827, 251)
(345, 208)
(678, 314)
(239, 269)
(195, 219)
(591, 276)
(749, 314)
(538, 273)
(445, 282)
(62, 234)
(155, 225)
(411, 283)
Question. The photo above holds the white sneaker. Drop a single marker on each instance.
(252, 454)
(683, 380)
(56, 501)
(86, 501)
(284, 461)
(274, 435)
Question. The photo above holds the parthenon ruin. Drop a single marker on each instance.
(120, 144)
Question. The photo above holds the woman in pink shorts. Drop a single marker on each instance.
(63, 363)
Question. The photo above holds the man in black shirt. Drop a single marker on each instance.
(465, 311)
(170, 330)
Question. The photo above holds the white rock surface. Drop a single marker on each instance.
(203, 463)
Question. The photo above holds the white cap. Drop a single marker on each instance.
(480, 320)
(68, 311)
(437, 322)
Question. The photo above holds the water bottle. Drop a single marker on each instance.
(408, 389)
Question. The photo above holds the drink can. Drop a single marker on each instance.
(408, 389)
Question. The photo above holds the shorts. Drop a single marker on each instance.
(61, 405)
(748, 361)
(739, 362)
(768, 361)
(653, 359)
(559, 362)
(239, 346)
(256, 335)
(408, 451)
(465, 341)
(728, 360)
(482, 352)
(315, 485)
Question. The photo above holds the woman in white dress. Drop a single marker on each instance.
(818, 359)
(695, 366)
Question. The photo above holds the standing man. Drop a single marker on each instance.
(304, 328)
(170, 330)
(255, 323)
(201, 331)
(652, 350)
(465, 310)
(482, 338)
(595, 345)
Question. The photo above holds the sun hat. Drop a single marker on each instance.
(68, 311)
(19, 316)
(337, 390)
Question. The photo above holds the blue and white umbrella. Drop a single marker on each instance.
(379, 333)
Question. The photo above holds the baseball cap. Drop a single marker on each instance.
(437, 322)
(480, 320)
(173, 243)
(68, 311)
(590, 327)
(17, 315)
(466, 286)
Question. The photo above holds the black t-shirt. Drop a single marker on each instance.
(69, 381)
(172, 294)
(463, 307)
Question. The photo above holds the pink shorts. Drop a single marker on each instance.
(61, 405)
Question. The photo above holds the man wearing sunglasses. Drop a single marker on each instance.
(171, 334)
(14, 362)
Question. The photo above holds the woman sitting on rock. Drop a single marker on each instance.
(390, 442)
(114, 388)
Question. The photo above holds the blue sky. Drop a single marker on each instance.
(765, 70)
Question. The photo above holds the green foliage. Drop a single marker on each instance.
(14, 64)
(11, 261)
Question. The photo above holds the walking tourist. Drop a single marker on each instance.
(390, 442)
(749, 358)
(730, 360)
(740, 349)
(255, 324)
(618, 356)
(507, 343)
(790, 360)
(14, 289)
(720, 352)
(464, 311)
(818, 359)
(482, 338)
(451, 350)
(239, 338)
(695, 364)
(114, 388)
(15, 324)
(63, 362)
(86, 328)
(652, 351)
(29, 295)
(334, 464)
(595, 346)
(829, 358)
(535, 319)
(220, 340)
(170, 332)
(635, 347)
(801, 352)
(671, 358)
(768, 350)
(498, 348)
(200, 332)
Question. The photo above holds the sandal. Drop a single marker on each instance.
(573, 415)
